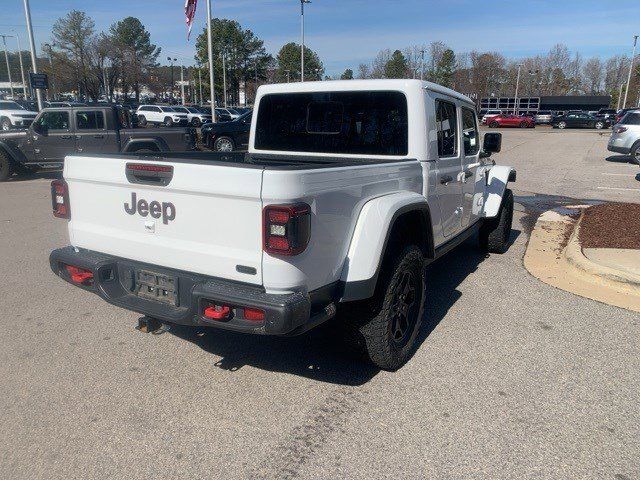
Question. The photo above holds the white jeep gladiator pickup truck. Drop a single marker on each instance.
(349, 189)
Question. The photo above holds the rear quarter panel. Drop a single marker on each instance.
(336, 196)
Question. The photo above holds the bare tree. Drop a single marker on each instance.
(593, 76)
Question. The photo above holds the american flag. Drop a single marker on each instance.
(190, 12)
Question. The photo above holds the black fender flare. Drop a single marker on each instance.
(151, 143)
(15, 155)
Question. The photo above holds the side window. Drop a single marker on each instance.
(54, 120)
(156, 109)
(447, 126)
(470, 132)
(90, 120)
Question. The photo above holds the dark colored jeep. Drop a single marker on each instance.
(58, 132)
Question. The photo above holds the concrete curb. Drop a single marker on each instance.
(603, 274)
(568, 269)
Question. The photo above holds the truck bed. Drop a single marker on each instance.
(247, 160)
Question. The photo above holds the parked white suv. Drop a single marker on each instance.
(625, 138)
(194, 116)
(160, 115)
(13, 115)
(490, 113)
(349, 189)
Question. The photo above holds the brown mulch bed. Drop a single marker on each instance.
(611, 225)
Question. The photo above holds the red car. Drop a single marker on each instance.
(509, 120)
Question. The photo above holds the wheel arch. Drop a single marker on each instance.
(156, 144)
(15, 156)
(385, 224)
(498, 178)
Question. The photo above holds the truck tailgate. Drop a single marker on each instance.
(206, 220)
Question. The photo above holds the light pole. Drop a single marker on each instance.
(515, 107)
(302, 2)
(212, 82)
(6, 57)
(32, 44)
(200, 86)
(224, 76)
(182, 82)
(633, 56)
(171, 60)
(422, 64)
(288, 72)
(24, 83)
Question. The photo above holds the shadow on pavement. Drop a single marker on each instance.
(319, 354)
(48, 175)
(620, 159)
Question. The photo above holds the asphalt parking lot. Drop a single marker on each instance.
(572, 163)
(513, 379)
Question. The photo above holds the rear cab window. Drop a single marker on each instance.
(360, 123)
(93, 120)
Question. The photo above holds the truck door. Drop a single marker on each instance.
(91, 132)
(449, 166)
(472, 182)
(52, 136)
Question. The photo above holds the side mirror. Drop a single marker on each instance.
(492, 144)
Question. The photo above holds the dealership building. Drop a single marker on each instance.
(556, 104)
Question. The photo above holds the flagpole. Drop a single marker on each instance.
(211, 72)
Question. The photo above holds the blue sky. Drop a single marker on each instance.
(348, 32)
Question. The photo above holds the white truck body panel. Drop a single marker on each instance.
(371, 231)
(217, 223)
(336, 196)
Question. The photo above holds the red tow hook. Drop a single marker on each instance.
(217, 312)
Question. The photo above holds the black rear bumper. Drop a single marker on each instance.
(114, 281)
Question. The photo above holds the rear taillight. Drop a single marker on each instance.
(286, 228)
(619, 129)
(60, 199)
(80, 276)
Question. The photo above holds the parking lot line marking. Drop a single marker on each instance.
(616, 188)
(621, 174)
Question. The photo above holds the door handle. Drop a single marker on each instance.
(446, 179)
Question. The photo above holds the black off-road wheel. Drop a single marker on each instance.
(142, 120)
(494, 125)
(495, 232)
(6, 168)
(384, 328)
(168, 122)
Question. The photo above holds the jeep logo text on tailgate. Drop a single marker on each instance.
(166, 210)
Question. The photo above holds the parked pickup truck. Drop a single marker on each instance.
(349, 189)
(58, 132)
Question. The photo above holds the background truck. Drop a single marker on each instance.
(349, 190)
(58, 132)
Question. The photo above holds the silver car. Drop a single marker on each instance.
(543, 117)
(625, 138)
